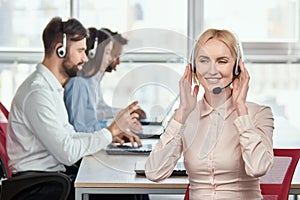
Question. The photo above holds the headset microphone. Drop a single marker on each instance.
(218, 90)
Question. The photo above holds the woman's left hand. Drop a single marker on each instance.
(240, 90)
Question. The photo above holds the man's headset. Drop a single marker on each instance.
(92, 52)
(62, 50)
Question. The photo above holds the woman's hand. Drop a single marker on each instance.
(188, 99)
(240, 90)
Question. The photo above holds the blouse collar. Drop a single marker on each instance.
(224, 110)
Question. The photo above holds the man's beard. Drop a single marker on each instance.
(109, 68)
(70, 71)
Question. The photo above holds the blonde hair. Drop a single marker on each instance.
(225, 36)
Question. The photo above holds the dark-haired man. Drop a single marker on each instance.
(40, 137)
(105, 111)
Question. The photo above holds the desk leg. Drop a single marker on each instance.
(85, 196)
(80, 195)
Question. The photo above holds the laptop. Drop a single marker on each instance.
(127, 149)
(153, 128)
(179, 169)
(156, 121)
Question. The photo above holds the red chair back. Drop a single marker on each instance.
(4, 110)
(5, 172)
(276, 183)
(187, 193)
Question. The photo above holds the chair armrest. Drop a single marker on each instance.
(13, 186)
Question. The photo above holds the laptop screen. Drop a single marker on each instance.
(155, 121)
(155, 129)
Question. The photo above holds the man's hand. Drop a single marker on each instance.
(126, 124)
(125, 137)
(141, 113)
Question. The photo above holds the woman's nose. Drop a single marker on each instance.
(213, 69)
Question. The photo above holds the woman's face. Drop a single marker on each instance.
(106, 59)
(214, 64)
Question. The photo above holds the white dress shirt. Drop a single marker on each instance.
(39, 134)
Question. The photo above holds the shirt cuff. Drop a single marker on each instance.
(107, 134)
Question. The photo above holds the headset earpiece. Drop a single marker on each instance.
(194, 66)
(62, 50)
(92, 52)
(236, 69)
(192, 61)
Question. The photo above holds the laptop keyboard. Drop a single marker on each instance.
(179, 169)
(127, 149)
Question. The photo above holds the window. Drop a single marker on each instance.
(161, 35)
(128, 15)
(23, 21)
(278, 86)
(269, 30)
(150, 26)
(255, 21)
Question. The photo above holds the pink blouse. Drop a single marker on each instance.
(224, 154)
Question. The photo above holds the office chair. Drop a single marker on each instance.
(275, 185)
(16, 187)
(4, 110)
(187, 193)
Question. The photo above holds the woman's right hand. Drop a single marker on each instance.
(188, 99)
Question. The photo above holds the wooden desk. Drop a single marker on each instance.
(114, 174)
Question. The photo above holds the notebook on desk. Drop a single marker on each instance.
(153, 128)
(127, 149)
(178, 170)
